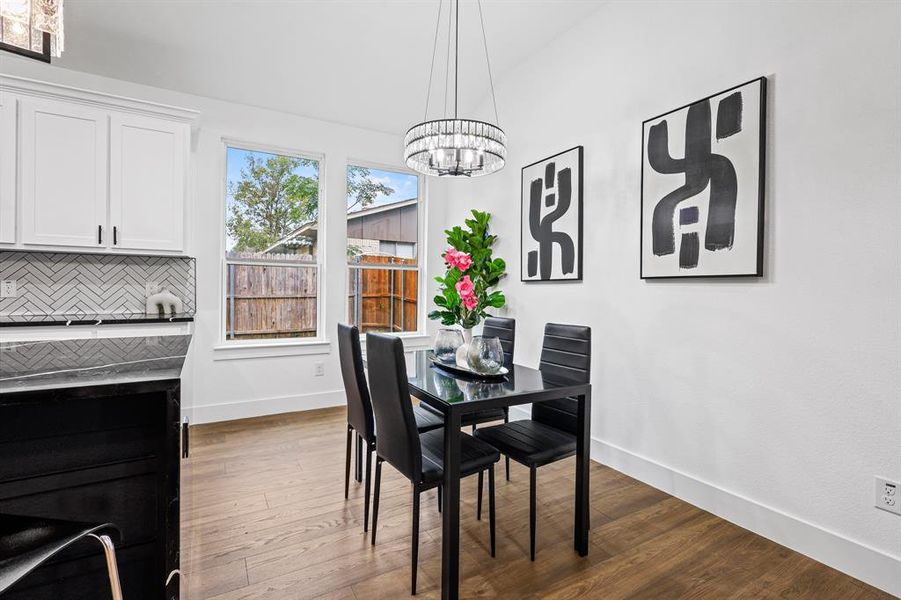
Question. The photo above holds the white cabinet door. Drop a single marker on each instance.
(63, 165)
(148, 174)
(7, 168)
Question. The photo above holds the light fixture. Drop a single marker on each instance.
(453, 146)
(32, 28)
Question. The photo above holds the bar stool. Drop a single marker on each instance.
(28, 542)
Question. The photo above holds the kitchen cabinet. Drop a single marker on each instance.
(148, 159)
(63, 165)
(90, 171)
(99, 444)
(7, 168)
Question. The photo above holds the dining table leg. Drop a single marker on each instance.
(450, 515)
(583, 444)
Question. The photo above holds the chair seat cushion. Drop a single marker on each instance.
(427, 420)
(475, 456)
(483, 416)
(529, 442)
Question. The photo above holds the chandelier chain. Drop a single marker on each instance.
(497, 119)
(456, 58)
(450, 21)
(428, 92)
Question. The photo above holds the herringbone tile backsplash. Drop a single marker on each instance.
(62, 284)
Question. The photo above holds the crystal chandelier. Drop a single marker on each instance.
(453, 146)
(32, 28)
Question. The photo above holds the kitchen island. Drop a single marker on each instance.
(90, 431)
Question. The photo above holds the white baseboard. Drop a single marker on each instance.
(212, 413)
(849, 556)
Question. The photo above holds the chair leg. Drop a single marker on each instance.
(479, 502)
(375, 497)
(507, 458)
(109, 551)
(347, 460)
(533, 472)
(415, 552)
(491, 506)
(366, 489)
(359, 458)
(439, 499)
(473, 427)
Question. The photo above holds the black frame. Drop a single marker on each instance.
(760, 186)
(578, 277)
(41, 56)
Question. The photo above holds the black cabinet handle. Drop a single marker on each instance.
(115, 235)
(185, 439)
(100, 234)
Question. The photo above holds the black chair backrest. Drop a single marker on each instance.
(398, 439)
(359, 405)
(565, 358)
(505, 329)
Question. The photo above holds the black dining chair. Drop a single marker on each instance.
(28, 542)
(550, 435)
(418, 456)
(359, 411)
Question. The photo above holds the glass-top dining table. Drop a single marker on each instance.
(453, 395)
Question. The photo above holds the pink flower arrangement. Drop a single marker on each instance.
(466, 289)
(465, 293)
(455, 258)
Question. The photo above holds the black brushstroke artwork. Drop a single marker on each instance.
(542, 228)
(702, 168)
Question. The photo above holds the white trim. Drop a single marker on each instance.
(42, 89)
(271, 347)
(872, 566)
(228, 411)
(241, 349)
(855, 558)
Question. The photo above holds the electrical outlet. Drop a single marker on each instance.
(8, 288)
(151, 288)
(888, 495)
(319, 369)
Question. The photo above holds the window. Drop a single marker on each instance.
(383, 249)
(271, 245)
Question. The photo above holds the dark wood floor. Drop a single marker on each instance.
(265, 517)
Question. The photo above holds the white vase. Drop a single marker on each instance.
(464, 349)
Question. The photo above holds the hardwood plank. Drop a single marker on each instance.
(265, 518)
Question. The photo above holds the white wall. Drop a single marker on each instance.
(772, 402)
(225, 389)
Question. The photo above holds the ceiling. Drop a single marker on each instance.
(364, 63)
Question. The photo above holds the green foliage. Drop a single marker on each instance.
(485, 273)
(361, 189)
(271, 200)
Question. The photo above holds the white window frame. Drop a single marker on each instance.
(272, 346)
(421, 247)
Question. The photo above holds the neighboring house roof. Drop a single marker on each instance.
(308, 230)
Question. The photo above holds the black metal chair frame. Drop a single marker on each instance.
(17, 566)
(416, 478)
(547, 364)
(355, 384)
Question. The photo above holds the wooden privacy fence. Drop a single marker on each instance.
(276, 301)
(383, 299)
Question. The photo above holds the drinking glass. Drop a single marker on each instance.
(485, 356)
(446, 343)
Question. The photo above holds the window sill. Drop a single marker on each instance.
(271, 349)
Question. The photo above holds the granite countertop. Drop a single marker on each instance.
(91, 319)
(57, 364)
